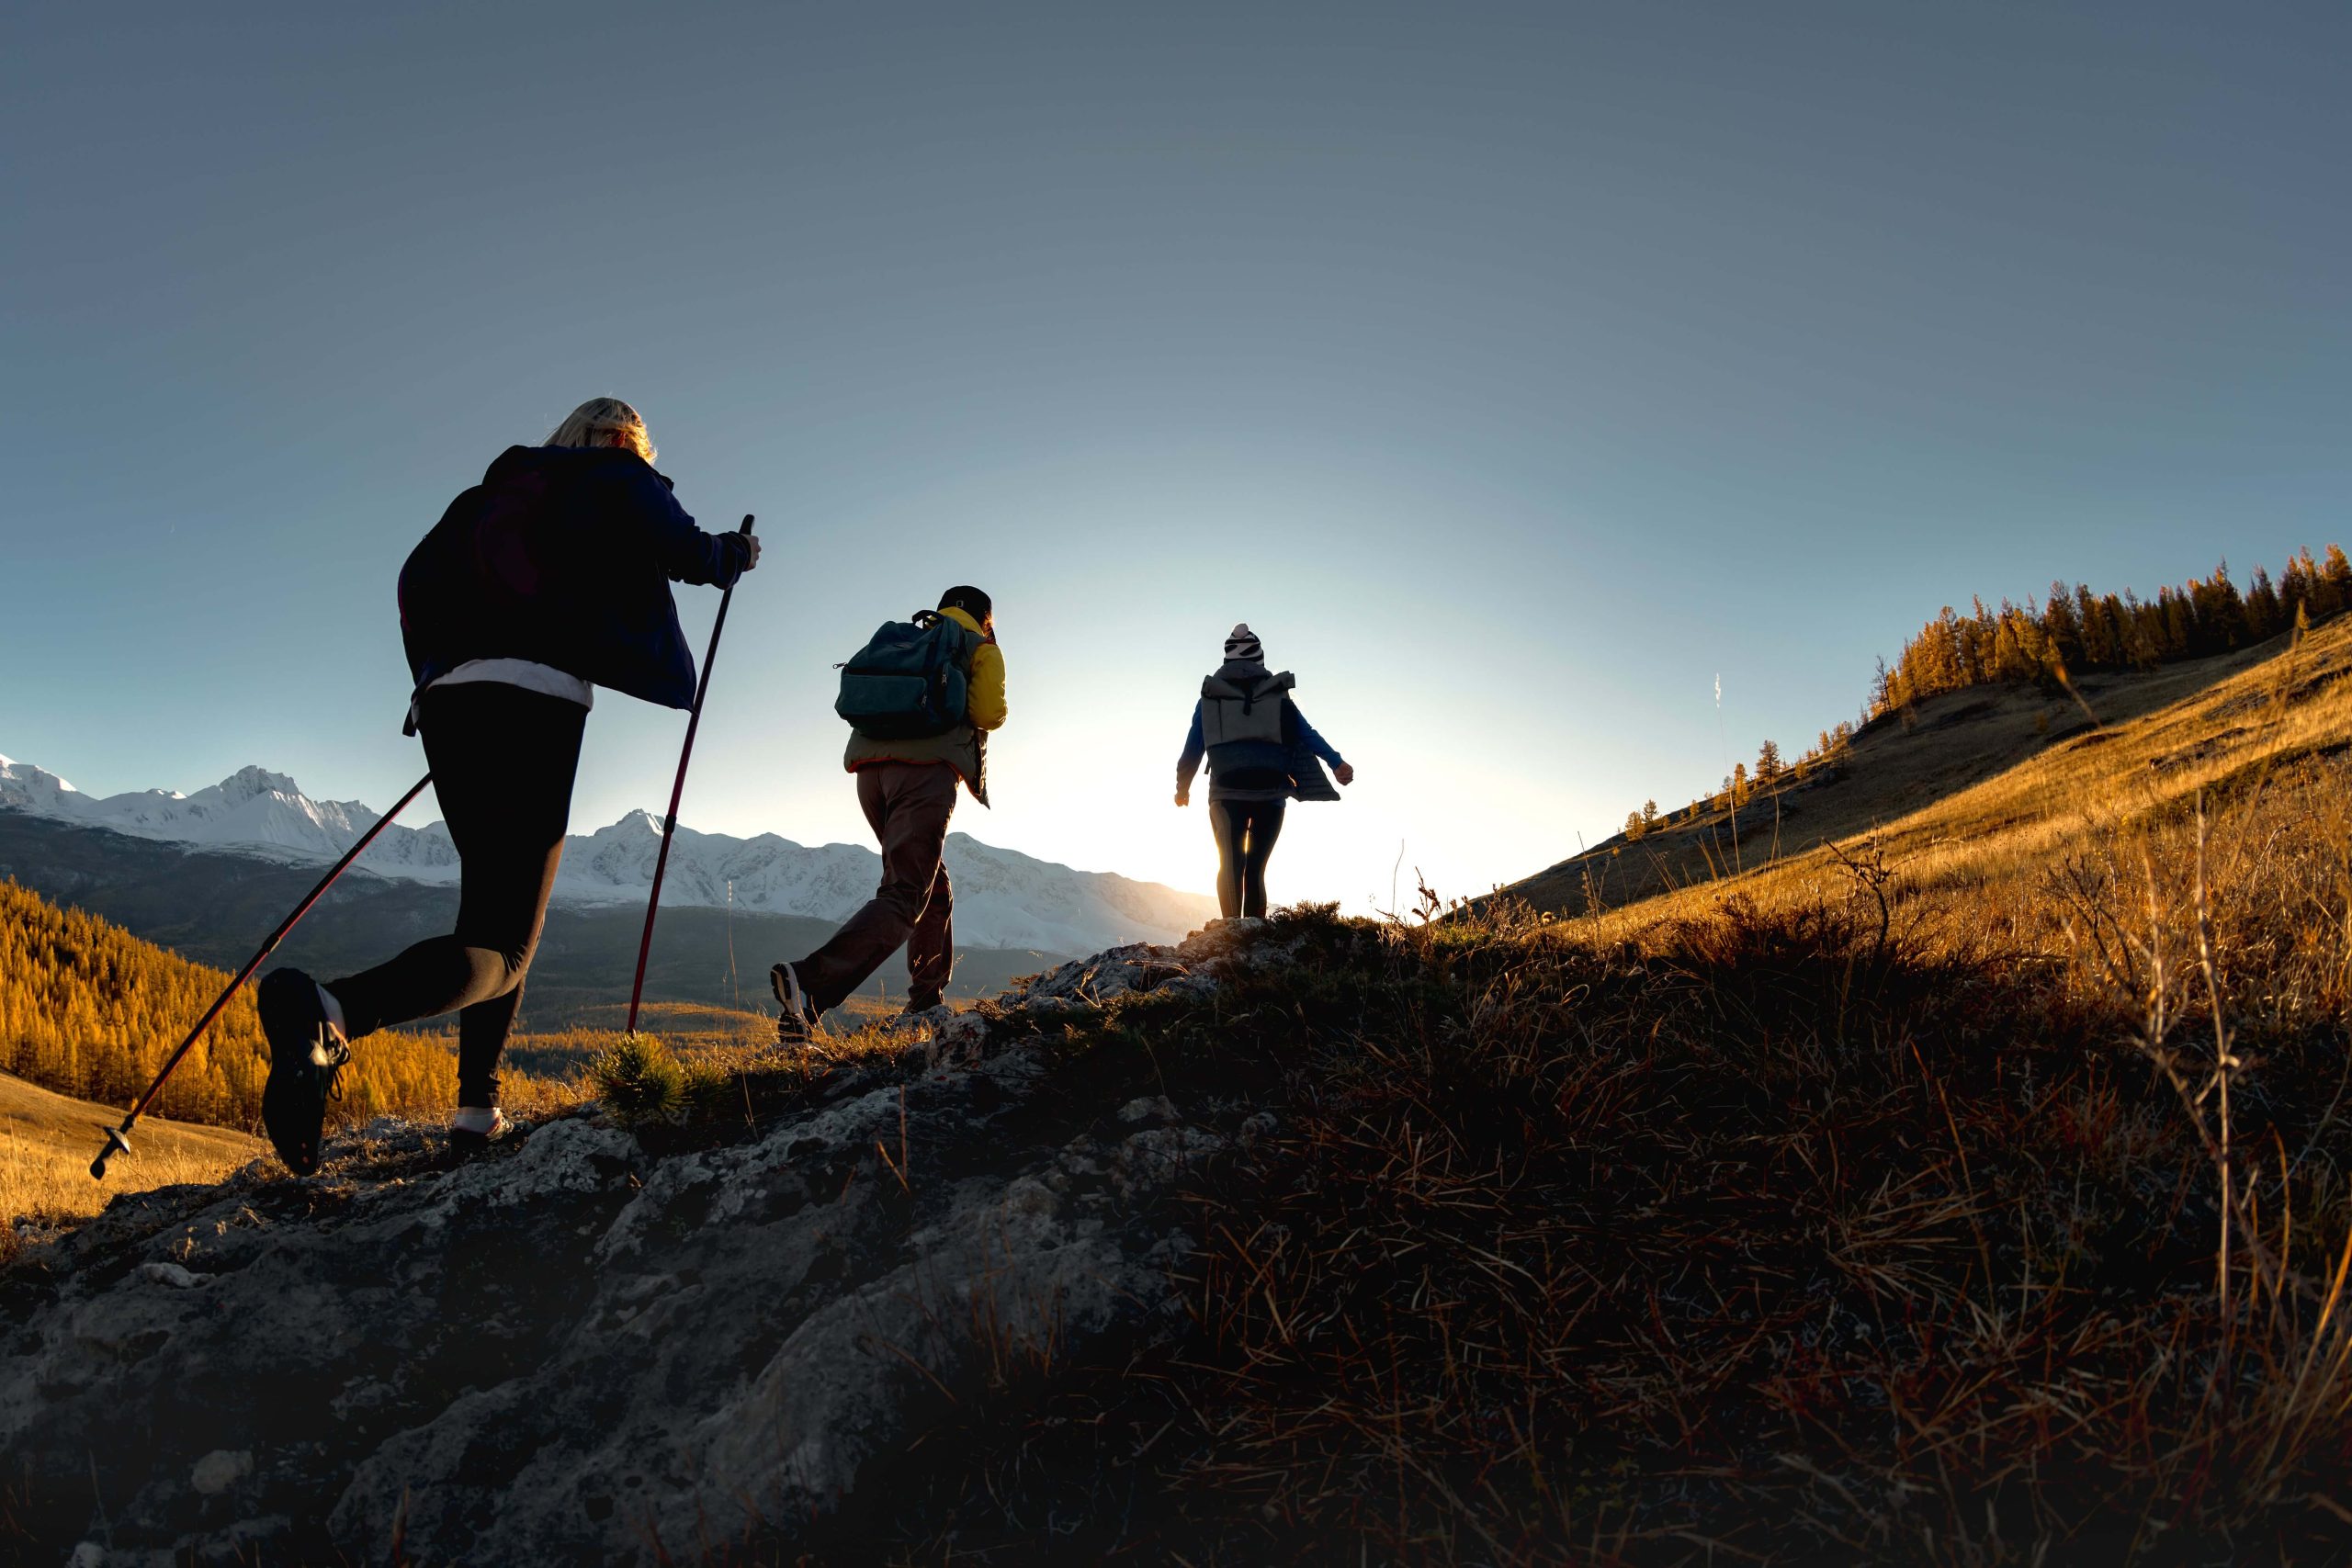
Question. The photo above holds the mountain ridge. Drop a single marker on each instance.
(1003, 897)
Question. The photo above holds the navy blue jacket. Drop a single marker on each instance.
(1251, 758)
(564, 556)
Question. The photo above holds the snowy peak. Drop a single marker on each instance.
(24, 787)
(249, 782)
(1003, 898)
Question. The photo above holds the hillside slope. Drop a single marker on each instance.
(1946, 746)
(90, 1011)
(47, 1141)
(1315, 1241)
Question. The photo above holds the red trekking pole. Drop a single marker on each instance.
(669, 822)
(116, 1141)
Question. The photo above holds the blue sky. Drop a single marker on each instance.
(1512, 370)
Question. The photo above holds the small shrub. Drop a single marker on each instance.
(641, 1081)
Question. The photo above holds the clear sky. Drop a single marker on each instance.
(1513, 371)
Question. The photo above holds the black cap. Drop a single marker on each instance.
(969, 600)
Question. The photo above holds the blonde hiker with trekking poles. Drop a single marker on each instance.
(546, 581)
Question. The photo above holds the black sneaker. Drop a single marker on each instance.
(920, 1002)
(306, 1056)
(798, 1023)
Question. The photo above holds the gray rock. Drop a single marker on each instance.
(569, 1352)
(219, 1469)
(172, 1274)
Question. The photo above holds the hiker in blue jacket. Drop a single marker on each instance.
(549, 579)
(1262, 754)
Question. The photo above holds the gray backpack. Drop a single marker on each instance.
(1231, 711)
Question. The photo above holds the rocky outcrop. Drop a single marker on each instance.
(574, 1351)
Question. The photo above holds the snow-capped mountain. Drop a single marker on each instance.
(1003, 898)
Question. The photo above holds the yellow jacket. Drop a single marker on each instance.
(964, 748)
(984, 702)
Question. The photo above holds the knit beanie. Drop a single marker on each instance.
(1242, 646)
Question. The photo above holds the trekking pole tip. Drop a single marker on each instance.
(116, 1143)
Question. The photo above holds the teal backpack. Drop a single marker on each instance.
(912, 679)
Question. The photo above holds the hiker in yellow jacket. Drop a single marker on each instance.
(906, 787)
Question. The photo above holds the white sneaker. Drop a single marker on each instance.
(473, 1126)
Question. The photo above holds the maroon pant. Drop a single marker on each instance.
(907, 804)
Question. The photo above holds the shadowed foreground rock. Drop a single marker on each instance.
(576, 1352)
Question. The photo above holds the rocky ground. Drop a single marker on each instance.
(595, 1345)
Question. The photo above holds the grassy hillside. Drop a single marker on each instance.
(1980, 1193)
(47, 1141)
(1933, 752)
(90, 1011)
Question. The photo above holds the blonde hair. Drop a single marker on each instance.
(603, 421)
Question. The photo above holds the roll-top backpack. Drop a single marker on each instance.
(1232, 711)
(912, 680)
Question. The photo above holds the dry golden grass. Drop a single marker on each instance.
(47, 1142)
(1990, 758)
(1983, 851)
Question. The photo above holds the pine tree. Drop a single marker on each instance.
(2263, 617)
(1767, 765)
(2062, 628)
(2334, 590)
(90, 1011)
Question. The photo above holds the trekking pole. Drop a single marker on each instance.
(117, 1142)
(669, 822)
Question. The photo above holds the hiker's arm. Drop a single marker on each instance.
(1316, 743)
(1189, 764)
(984, 698)
(686, 553)
(1322, 748)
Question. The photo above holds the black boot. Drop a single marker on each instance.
(306, 1055)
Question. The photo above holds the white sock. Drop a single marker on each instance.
(333, 1009)
(483, 1119)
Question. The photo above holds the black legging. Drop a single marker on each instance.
(1246, 831)
(503, 760)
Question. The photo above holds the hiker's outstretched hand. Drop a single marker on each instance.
(752, 540)
(1344, 774)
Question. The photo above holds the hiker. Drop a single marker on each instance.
(1262, 754)
(549, 579)
(920, 698)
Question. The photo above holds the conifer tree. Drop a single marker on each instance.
(2262, 619)
(2334, 590)
(2062, 629)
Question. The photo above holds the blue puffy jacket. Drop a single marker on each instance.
(564, 556)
